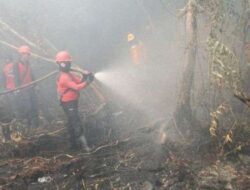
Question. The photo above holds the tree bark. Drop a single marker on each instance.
(245, 49)
(183, 112)
(245, 33)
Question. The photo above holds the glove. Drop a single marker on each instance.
(84, 77)
(90, 78)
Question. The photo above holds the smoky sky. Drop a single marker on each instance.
(94, 31)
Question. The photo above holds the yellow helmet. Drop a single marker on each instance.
(131, 37)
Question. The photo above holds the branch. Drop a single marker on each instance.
(242, 97)
(6, 26)
(32, 54)
(105, 146)
(30, 84)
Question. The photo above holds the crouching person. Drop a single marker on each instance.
(69, 87)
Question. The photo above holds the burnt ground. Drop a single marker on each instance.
(119, 159)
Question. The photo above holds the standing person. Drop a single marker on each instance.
(8, 105)
(16, 75)
(69, 87)
(8, 74)
(136, 49)
(28, 100)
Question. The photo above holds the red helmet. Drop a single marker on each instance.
(24, 49)
(63, 56)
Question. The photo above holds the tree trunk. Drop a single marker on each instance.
(245, 33)
(245, 49)
(183, 112)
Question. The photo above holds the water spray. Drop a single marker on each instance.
(99, 76)
(122, 82)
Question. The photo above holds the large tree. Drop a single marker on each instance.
(183, 113)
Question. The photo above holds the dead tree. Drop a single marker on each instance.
(183, 112)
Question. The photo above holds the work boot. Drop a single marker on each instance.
(82, 142)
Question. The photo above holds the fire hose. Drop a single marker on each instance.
(29, 84)
(78, 69)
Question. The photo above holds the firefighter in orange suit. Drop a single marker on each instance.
(16, 75)
(69, 87)
(136, 49)
(8, 107)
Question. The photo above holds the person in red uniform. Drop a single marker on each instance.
(8, 112)
(16, 75)
(8, 74)
(69, 87)
(136, 49)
